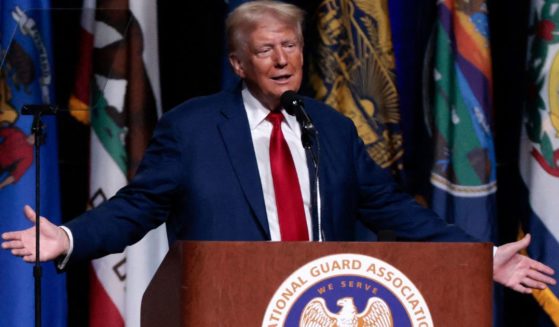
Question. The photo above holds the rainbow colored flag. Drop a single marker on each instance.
(463, 172)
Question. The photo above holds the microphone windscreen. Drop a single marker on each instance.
(290, 101)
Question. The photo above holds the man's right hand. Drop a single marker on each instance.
(54, 241)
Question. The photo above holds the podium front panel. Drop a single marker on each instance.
(233, 283)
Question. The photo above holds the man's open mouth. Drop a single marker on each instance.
(281, 77)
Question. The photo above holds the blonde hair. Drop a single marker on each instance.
(245, 17)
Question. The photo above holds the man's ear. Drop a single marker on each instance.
(237, 65)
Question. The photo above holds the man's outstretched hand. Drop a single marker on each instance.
(519, 272)
(54, 241)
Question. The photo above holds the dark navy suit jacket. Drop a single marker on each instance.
(200, 176)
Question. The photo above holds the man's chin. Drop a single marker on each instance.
(285, 88)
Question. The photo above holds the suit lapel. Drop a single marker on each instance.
(235, 132)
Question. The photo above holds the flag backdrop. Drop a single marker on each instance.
(26, 78)
(463, 172)
(118, 82)
(539, 161)
(353, 72)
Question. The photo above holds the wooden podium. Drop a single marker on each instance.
(232, 283)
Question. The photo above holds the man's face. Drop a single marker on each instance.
(271, 61)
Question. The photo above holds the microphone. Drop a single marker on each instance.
(293, 104)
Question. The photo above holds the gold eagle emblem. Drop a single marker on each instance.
(354, 71)
(376, 314)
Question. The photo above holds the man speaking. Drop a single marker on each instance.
(232, 166)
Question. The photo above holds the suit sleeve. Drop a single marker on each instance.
(383, 206)
(138, 207)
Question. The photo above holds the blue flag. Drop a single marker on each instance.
(26, 77)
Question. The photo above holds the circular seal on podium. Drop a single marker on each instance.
(347, 290)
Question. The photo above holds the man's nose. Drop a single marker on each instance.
(280, 58)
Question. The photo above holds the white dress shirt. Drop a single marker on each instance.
(261, 130)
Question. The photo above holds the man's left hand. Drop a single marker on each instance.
(519, 272)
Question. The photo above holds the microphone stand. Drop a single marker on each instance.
(310, 137)
(37, 128)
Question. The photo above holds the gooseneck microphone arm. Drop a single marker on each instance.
(293, 105)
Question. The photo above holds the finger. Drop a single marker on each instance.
(521, 244)
(12, 245)
(538, 266)
(21, 252)
(10, 236)
(538, 276)
(533, 284)
(29, 213)
(29, 258)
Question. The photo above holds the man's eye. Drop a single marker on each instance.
(263, 52)
(290, 46)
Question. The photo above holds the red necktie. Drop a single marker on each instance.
(289, 202)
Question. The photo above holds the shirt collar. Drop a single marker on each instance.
(257, 113)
